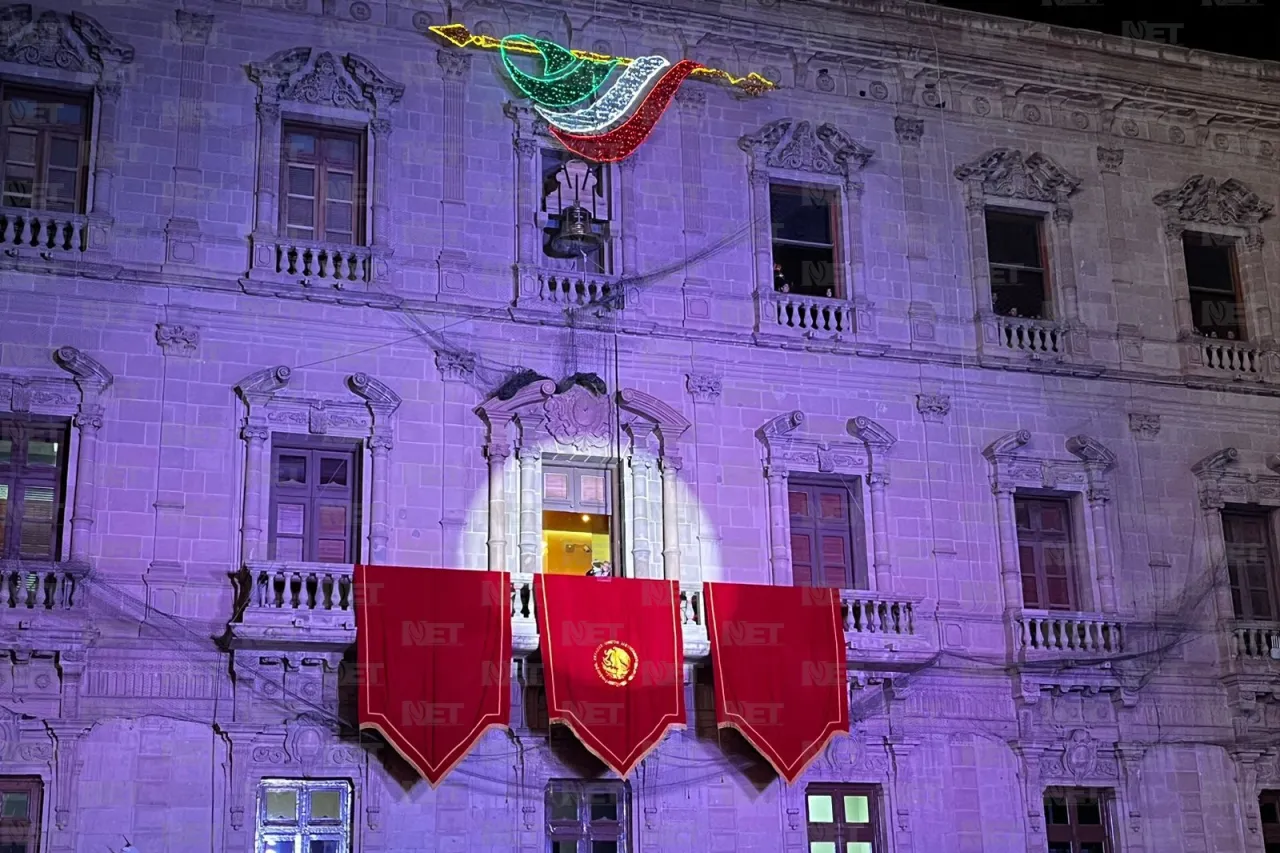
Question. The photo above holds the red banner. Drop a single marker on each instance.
(613, 654)
(434, 650)
(778, 659)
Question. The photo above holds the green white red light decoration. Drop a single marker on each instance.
(621, 114)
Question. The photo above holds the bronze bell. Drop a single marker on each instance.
(575, 236)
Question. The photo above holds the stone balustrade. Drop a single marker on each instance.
(1066, 634)
(28, 585)
(1035, 337)
(323, 263)
(44, 231)
(869, 613)
(1234, 359)
(806, 316)
(1255, 641)
(573, 290)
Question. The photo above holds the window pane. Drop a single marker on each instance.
(291, 469)
(290, 519)
(604, 806)
(282, 806)
(1058, 591)
(340, 150)
(289, 549)
(36, 537)
(858, 847)
(822, 847)
(831, 505)
(805, 270)
(298, 144)
(64, 153)
(591, 488)
(1270, 814)
(333, 471)
(331, 520)
(302, 181)
(555, 486)
(60, 188)
(42, 454)
(331, 551)
(1055, 810)
(15, 805)
(1053, 517)
(4, 515)
(604, 847)
(1092, 847)
(802, 214)
(338, 218)
(278, 845)
(562, 805)
(1088, 813)
(22, 148)
(799, 502)
(339, 187)
(564, 847)
(70, 114)
(325, 845)
(821, 808)
(1030, 591)
(326, 805)
(6, 451)
(302, 213)
(1013, 239)
(856, 810)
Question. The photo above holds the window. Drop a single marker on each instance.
(804, 227)
(323, 185)
(827, 538)
(588, 817)
(842, 819)
(20, 805)
(45, 149)
(1015, 252)
(1250, 563)
(1075, 821)
(1269, 809)
(314, 501)
(33, 463)
(578, 535)
(575, 200)
(1214, 285)
(1045, 552)
(311, 816)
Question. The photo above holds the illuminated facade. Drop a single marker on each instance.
(982, 333)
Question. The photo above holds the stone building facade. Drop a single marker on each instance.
(1018, 337)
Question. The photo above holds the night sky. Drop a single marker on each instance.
(1240, 27)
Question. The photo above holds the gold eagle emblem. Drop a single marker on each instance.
(616, 663)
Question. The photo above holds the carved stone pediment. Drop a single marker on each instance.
(1006, 173)
(1013, 468)
(1222, 480)
(320, 78)
(579, 419)
(1080, 759)
(72, 42)
(1203, 199)
(788, 447)
(799, 146)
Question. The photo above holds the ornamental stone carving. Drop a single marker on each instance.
(799, 146)
(1203, 199)
(177, 339)
(304, 76)
(72, 42)
(909, 130)
(933, 407)
(1006, 173)
(703, 387)
(1110, 160)
(1144, 426)
(579, 419)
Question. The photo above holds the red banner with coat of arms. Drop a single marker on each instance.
(613, 655)
(778, 657)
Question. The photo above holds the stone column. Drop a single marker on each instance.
(454, 65)
(1211, 505)
(108, 90)
(1257, 291)
(1010, 569)
(779, 525)
(252, 545)
(530, 508)
(1175, 263)
(456, 429)
(497, 452)
(380, 512)
(670, 465)
(626, 218)
(380, 233)
(641, 471)
(761, 238)
(1097, 499)
(1109, 162)
(269, 141)
(178, 343)
(853, 242)
(1064, 270)
(88, 421)
(883, 577)
(526, 202)
(975, 212)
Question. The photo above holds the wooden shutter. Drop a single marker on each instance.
(314, 502)
(822, 535)
(1045, 554)
(1250, 564)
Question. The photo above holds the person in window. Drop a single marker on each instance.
(780, 282)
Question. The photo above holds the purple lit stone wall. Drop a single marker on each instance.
(153, 705)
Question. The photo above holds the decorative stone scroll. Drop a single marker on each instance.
(799, 146)
(1007, 173)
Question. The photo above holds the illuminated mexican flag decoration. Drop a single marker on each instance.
(599, 107)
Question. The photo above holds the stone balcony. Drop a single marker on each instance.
(1230, 361)
(1251, 665)
(318, 271)
(1059, 635)
(43, 606)
(290, 606)
(51, 241)
(1021, 339)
